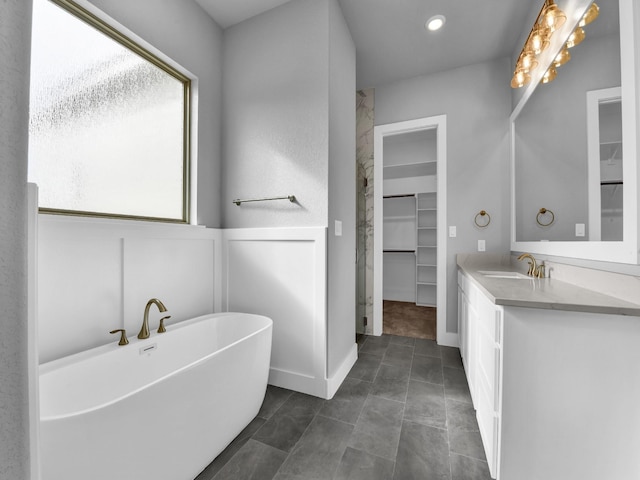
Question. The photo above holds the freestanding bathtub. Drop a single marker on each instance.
(160, 408)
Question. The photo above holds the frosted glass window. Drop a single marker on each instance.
(108, 132)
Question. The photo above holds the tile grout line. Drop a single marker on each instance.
(446, 414)
(470, 457)
(404, 409)
(293, 448)
(401, 364)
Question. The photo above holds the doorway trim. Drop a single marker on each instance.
(594, 99)
(438, 122)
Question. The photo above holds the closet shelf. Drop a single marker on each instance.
(405, 170)
(399, 217)
(397, 250)
(426, 247)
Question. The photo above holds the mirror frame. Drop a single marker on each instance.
(625, 251)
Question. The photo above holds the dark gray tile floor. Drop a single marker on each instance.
(404, 412)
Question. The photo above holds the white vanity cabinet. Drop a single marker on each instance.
(556, 390)
(480, 334)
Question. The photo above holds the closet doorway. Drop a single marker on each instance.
(409, 294)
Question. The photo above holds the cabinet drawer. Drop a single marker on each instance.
(490, 318)
(488, 371)
(462, 281)
(471, 291)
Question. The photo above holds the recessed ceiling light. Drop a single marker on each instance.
(435, 23)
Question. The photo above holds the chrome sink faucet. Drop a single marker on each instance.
(535, 270)
(144, 331)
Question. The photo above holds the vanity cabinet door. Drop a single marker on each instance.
(462, 325)
(480, 333)
(467, 320)
(488, 378)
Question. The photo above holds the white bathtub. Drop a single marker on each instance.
(137, 412)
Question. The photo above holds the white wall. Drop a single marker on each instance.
(276, 107)
(477, 103)
(342, 195)
(15, 32)
(186, 34)
(289, 129)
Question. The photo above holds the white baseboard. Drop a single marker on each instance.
(298, 382)
(333, 383)
(448, 339)
(318, 387)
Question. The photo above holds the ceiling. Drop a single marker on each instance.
(229, 12)
(390, 38)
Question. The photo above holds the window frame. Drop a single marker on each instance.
(84, 15)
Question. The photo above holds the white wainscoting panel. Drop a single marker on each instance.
(281, 273)
(79, 291)
(179, 272)
(96, 275)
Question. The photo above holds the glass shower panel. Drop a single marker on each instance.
(361, 266)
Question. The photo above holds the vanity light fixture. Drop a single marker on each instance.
(539, 38)
(563, 57)
(549, 75)
(590, 16)
(528, 60)
(576, 37)
(435, 23)
(550, 19)
(520, 79)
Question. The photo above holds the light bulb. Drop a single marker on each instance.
(591, 14)
(435, 23)
(549, 75)
(576, 37)
(539, 39)
(554, 18)
(528, 61)
(563, 57)
(520, 79)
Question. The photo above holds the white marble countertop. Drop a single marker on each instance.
(545, 293)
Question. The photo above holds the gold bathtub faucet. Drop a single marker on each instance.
(535, 270)
(144, 331)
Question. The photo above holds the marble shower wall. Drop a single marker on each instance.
(364, 170)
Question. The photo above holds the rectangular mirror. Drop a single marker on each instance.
(574, 143)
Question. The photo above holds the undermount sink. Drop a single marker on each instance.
(498, 274)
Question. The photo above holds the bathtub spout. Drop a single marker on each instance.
(144, 331)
